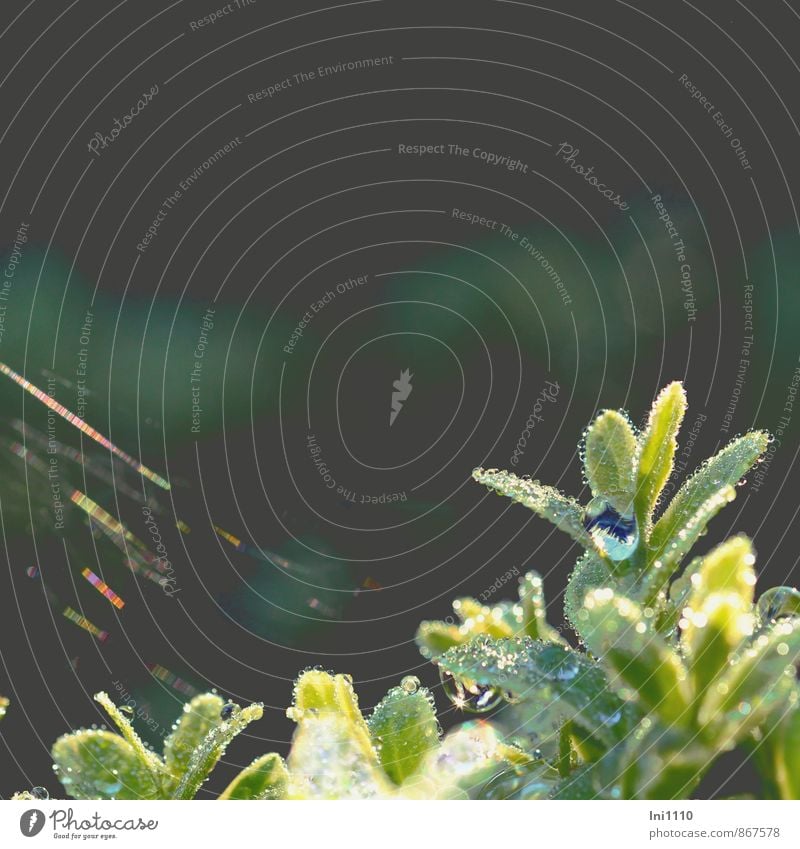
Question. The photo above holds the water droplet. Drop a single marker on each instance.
(127, 710)
(229, 709)
(778, 603)
(615, 533)
(410, 684)
(470, 696)
(40, 793)
(526, 781)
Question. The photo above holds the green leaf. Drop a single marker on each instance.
(199, 716)
(656, 449)
(758, 681)
(565, 513)
(404, 729)
(211, 749)
(609, 454)
(589, 573)
(317, 692)
(666, 556)
(101, 765)
(618, 632)
(723, 470)
(787, 755)
(534, 612)
(265, 778)
(552, 676)
(434, 638)
(148, 759)
(717, 616)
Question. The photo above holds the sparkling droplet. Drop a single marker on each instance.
(470, 696)
(614, 533)
(778, 603)
(126, 709)
(410, 684)
(229, 709)
(40, 793)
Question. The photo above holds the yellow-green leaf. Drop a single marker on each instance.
(656, 449)
(610, 451)
(265, 778)
(101, 765)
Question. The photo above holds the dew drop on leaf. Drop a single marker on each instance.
(409, 684)
(617, 534)
(470, 696)
(229, 709)
(127, 710)
(40, 793)
(779, 603)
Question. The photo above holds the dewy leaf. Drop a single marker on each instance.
(200, 715)
(317, 692)
(727, 568)
(589, 573)
(666, 555)
(787, 755)
(434, 638)
(404, 729)
(101, 765)
(723, 470)
(265, 778)
(617, 631)
(205, 756)
(717, 616)
(565, 513)
(329, 761)
(759, 680)
(534, 611)
(656, 449)
(149, 760)
(610, 450)
(553, 676)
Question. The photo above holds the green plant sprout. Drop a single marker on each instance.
(674, 666)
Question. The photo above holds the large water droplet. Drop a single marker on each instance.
(127, 710)
(778, 603)
(410, 684)
(520, 782)
(40, 793)
(229, 709)
(469, 696)
(615, 533)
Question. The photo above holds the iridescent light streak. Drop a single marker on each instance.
(82, 426)
(172, 680)
(103, 588)
(31, 434)
(234, 541)
(113, 527)
(83, 622)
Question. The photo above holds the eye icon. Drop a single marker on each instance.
(31, 822)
